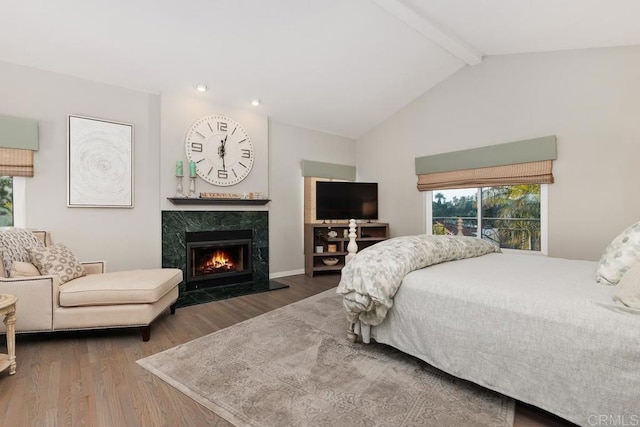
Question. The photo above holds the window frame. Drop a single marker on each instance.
(544, 219)
(20, 201)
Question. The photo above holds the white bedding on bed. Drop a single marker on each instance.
(535, 328)
(371, 279)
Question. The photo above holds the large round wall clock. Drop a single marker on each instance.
(221, 149)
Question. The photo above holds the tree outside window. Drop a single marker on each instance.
(511, 216)
(455, 212)
(506, 215)
(6, 201)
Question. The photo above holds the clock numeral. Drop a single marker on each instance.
(222, 126)
(196, 147)
(246, 153)
(223, 174)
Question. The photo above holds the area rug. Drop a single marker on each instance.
(294, 367)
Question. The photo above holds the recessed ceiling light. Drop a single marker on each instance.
(202, 88)
(255, 102)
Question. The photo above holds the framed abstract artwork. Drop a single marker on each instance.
(99, 163)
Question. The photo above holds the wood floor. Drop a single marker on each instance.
(90, 378)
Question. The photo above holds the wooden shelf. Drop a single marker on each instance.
(317, 235)
(336, 267)
(329, 254)
(199, 201)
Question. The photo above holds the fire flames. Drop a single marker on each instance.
(218, 262)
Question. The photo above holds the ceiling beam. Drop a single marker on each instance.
(422, 25)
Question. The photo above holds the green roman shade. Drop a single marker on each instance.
(521, 162)
(328, 170)
(18, 141)
(18, 133)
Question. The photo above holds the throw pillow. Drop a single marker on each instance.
(621, 254)
(628, 289)
(14, 245)
(23, 269)
(58, 260)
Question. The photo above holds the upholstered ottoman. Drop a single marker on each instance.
(121, 298)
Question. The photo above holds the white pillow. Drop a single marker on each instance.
(628, 289)
(621, 254)
(23, 269)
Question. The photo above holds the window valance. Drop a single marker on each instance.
(314, 169)
(18, 141)
(521, 162)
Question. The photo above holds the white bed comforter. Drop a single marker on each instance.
(537, 329)
(371, 279)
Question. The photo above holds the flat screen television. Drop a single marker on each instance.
(346, 200)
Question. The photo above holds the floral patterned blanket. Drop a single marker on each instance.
(371, 279)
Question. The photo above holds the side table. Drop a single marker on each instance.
(8, 310)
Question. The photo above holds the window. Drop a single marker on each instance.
(13, 191)
(513, 216)
(6, 201)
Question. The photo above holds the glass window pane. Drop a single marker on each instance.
(511, 216)
(455, 212)
(6, 201)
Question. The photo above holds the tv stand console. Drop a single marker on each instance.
(317, 236)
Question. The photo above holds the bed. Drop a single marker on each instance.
(538, 329)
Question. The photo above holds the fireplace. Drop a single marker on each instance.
(177, 224)
(218, 258)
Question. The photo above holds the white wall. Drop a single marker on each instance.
(125, 238)
(179, 110)
(590, 99)
(288, 146)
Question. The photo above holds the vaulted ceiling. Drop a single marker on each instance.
(339, 66)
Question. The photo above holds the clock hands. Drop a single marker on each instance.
(222, 151)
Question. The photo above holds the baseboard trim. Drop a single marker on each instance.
(285, 273)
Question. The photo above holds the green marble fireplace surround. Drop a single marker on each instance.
(175, 225)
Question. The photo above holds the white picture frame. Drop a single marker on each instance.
(99, 163)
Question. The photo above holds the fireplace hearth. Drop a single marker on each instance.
(218, 258)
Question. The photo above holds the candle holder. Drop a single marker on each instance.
(179, 190)
(192, 187)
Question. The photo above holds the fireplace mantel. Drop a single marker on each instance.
(199, 201)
